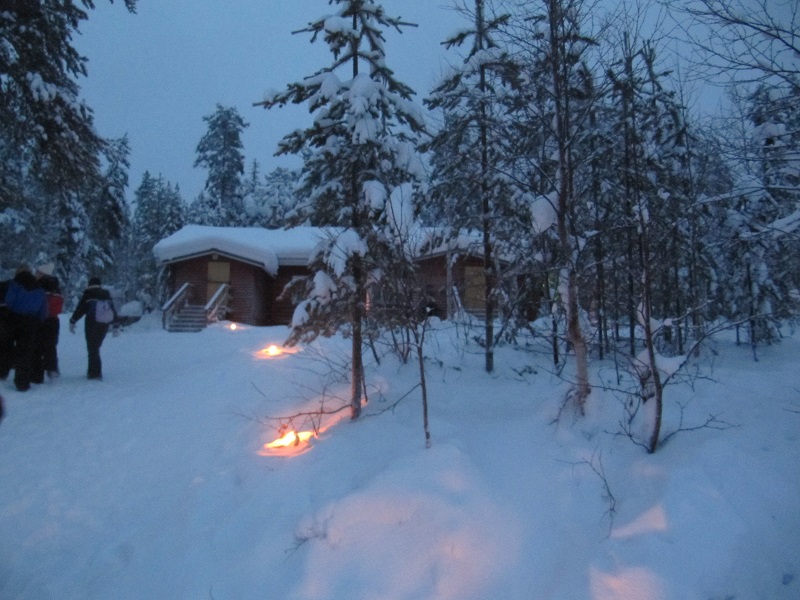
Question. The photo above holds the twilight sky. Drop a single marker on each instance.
(154, 75)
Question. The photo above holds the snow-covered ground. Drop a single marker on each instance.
(155, 482)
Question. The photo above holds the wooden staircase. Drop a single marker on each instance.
(190, 318)
(178, 315)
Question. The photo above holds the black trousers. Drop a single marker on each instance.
(6, 343)
(25, 329)
(95, 334)
(46, 358)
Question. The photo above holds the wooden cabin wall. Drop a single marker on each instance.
(193, 271)
(283, 310)
(433, 275)
(255, 294)
(249, 289)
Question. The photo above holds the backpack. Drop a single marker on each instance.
(103, 311)
(55, 304)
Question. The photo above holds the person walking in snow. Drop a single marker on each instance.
(46, 358)
(6, 333)
(27, 305)
(98, 308)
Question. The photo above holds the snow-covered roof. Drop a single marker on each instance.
(268, 248)
(271, 248)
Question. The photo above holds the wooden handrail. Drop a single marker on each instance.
(174, 304)
(218, 301)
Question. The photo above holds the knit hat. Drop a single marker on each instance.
(46, 269)
(94, 281)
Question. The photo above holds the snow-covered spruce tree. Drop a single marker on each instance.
(89, 242)
(761, 215)
(362, 146)
(269, 199)
(40, 109)
(158, 212)
(109, 213)
(468, 181)
(753, 259)
(17, 194)
(220, 151)
(45, 190)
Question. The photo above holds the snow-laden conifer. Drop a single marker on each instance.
(359, 147)
(220, 152)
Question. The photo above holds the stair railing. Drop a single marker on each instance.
(218, 305)
(174, 304)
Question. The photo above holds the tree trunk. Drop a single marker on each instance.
(565, 177)
(649, 336)
(357, 315)
(357, 369)
(419, 339)
(489, 275)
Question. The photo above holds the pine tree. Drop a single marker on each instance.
(269, 200)
(50, 153)
(158, 212)
(110, 214)
(761, 259)
(474, 130)
(220, 151)
(40, 109)
(361, 147)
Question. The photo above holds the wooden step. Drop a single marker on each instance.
(190, 319)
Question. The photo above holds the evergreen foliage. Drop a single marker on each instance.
(473, 192)
(271, 198)
(159, 211)
(359, 150)
(220, 151)
(51, 157)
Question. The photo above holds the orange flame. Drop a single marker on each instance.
(275, 351)
(293, 438)
(291, 443)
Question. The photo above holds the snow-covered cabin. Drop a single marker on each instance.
(257, 264)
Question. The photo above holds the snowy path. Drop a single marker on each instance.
(149, 484)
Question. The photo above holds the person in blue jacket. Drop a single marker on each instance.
(95, 330)
(27, 307)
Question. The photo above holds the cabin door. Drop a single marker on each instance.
(219, 272)
(474, 289)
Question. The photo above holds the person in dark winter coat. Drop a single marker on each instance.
(6, 333)
(95, 330)
(46, 357)
(28, 307)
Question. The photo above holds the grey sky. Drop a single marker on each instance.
(154, 75)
